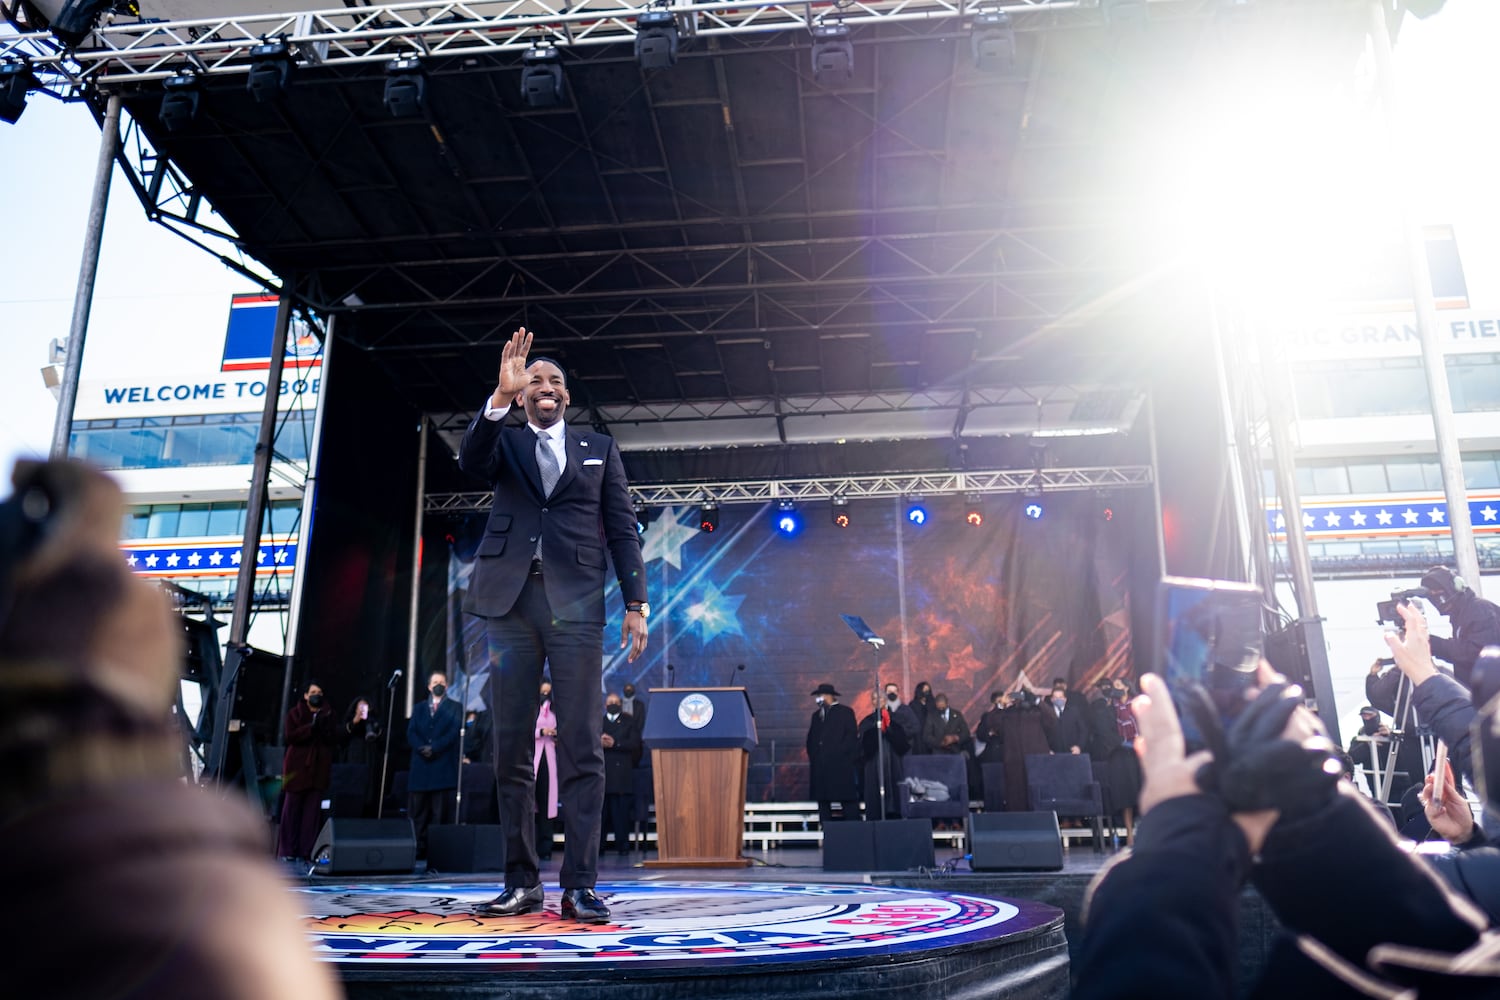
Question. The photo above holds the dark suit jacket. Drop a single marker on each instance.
(937, 729)
(832, 755)
(438, 730)
(589, 511)
(619, 760)
(1065, 731)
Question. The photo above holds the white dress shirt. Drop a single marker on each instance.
(556, 435)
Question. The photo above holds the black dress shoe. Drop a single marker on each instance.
(512, 902)
(584, 906)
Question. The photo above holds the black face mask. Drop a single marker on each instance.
(315, 700)
(439, 690)
(630, 692)
(612, 709)
(891, 697)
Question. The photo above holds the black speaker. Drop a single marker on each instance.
(347, 846)
(892, 845)
(467, 847)
(1014, 841)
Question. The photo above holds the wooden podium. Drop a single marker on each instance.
(700, 741)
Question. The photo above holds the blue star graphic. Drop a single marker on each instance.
(667, 535)
(715, 613)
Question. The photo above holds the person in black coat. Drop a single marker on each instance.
(832, 756)
(306, 768)
(1065, 723)
(432, 734)
(622, 744)
(1475, 621)
(922, 705)
(892, 742)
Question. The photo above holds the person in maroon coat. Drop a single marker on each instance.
(311, 736)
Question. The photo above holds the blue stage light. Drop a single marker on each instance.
(787, 520)
(1034, 511)
(916, 514)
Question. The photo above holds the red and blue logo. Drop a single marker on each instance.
(252, 327)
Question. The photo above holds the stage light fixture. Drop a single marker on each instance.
(708, 517)
(916, 512)
(76, 19)
(656, 39)
(839, 512)
(640, 516)
(1034, 510)
(179, 103)
(270, 70)
(1108, 513)
(15, 83)
(994, 42)
(974, 510)
(787, 520)
(405, 87)
(832, 53)
(542, 76)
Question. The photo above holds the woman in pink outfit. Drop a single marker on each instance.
(544, 766)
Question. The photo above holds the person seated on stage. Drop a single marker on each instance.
(1272, 807)
(832, 757)
(121, 877)
(947, 732)
(622, 746)
(306, 771)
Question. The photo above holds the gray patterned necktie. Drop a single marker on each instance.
(546, 461)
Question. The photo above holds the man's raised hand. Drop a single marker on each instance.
(512, 368)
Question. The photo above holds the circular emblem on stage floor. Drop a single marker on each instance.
(655, 925)
(695, 711)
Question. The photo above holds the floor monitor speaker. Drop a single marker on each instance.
(1014, 841)
(467, 847)
(349, 846)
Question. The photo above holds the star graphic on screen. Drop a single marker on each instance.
(280, 555)
(666, 536)
(151, 561)
(1488, 512)
(234, 558)
(1332, 519)
(1409, 516)
(173, 560)
(1436, 515)
(1358, 519)
(1308, 520)
(215, 557)
(260, 556)
(716, 613)
(131, 560)
(194, 559)
(1384, 517)
(1280, 520)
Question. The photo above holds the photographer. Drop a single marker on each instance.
(1437, 698)
(1475, 621)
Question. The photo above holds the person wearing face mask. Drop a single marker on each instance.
(898, 726)
(544, 771)
(433, 735)
(1066, 726)
(634, 705)
(922, 706)
(621, 741)
(306, 768)
(832, 756)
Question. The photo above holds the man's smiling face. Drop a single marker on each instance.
(545, 397)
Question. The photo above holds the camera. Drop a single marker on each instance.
(1386, 613)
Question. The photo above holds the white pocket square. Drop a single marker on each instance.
(593, 461)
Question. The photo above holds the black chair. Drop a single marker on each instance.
(479, 801)
(348, 787)
(948, 769)
(1064, 784)
(994, 786)
(642, 784)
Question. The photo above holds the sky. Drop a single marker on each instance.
(150, 278)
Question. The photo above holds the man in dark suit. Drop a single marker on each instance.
(1065, 723)
(832, 756)
(432, 734)
(622, 743)
(561, 500)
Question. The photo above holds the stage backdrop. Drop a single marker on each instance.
(964, 608)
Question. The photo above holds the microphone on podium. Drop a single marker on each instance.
(671, 674)
(732, 673)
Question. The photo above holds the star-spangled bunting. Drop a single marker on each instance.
(167, 558)
(1374, 519)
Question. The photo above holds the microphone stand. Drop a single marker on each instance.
(463, 731)
(385, 756)
(875, 644)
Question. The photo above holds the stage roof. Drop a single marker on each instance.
(727, 251)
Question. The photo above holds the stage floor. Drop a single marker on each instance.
(772, 931)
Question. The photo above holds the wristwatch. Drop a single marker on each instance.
(639, 607)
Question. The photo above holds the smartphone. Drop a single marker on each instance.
(1209, 637)
(1440, 772)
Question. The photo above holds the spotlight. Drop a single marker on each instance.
(708, 517)
(542, 76)
(994, 42)
(974, 510)
(656, 39)
(787, 521)
(1034, 510)
(915, 512)
(75, 20)
(405, 87)
(839, 512)
(270, 70)
(640, 516)
(179, 104)
(832, 53)
(1109, 513)
(15, 81)
(1125, 12)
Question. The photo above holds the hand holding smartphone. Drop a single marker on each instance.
(1208, 640)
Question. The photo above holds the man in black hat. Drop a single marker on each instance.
(832, 756)
(1475, 621)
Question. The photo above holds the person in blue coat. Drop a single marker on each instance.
(433, 736)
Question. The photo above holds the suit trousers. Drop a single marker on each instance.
(620, 816)
(520, 642)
